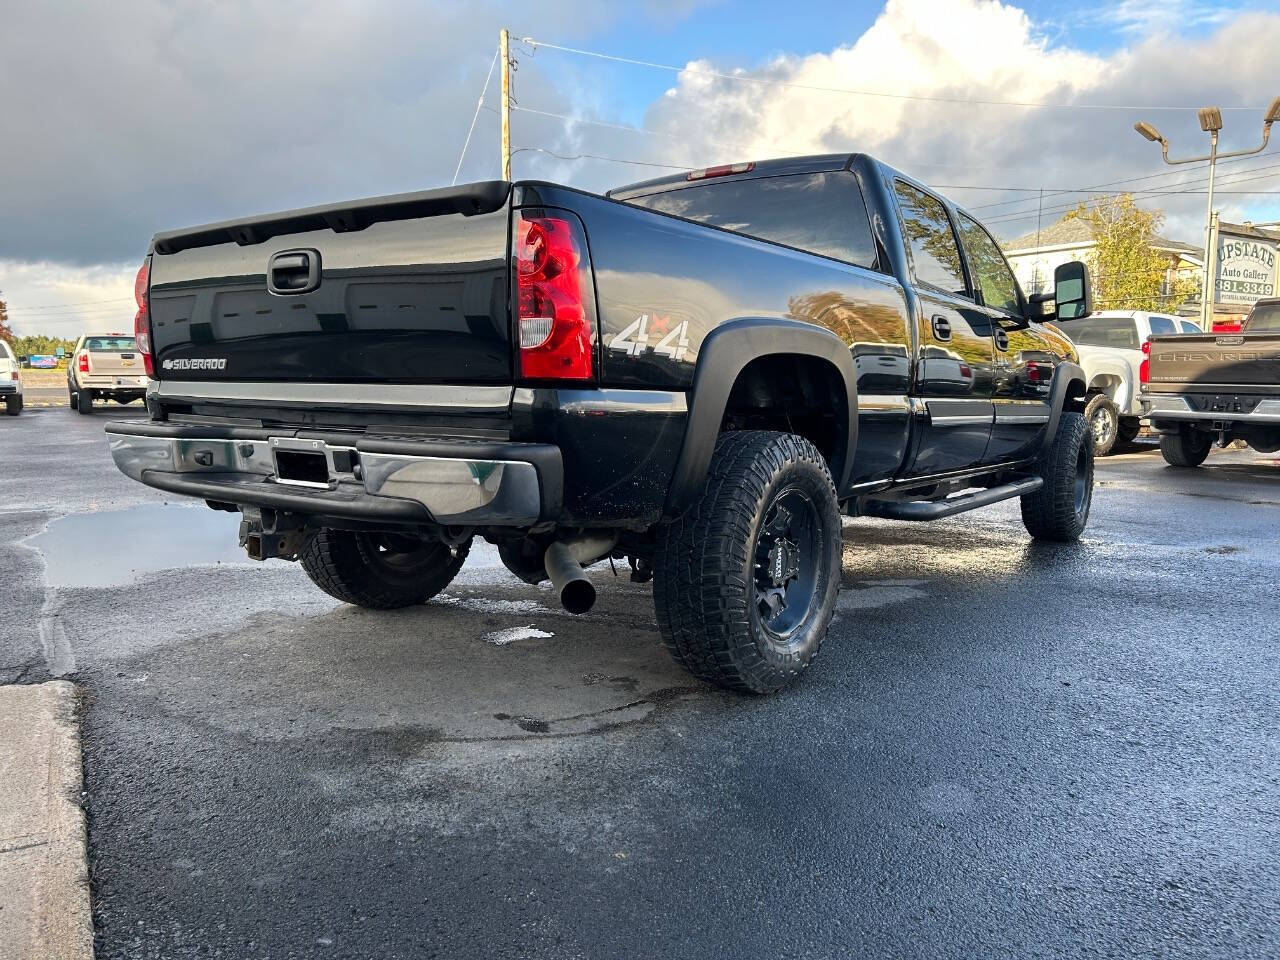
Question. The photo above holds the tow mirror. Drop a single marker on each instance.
(1072, 294)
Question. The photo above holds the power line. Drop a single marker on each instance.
(60, 306)
(471, 129)
(743, 78)
(596, 156)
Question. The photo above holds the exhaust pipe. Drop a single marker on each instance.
(577, 594)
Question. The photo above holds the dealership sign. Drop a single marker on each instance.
(1246, 269)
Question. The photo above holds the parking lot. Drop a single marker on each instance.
(1045, 750)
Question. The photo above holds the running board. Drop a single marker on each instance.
(937, 509)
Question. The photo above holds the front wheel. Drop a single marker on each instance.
(1059, 510)
(382, 571)
(1186, 448)
(745, 581)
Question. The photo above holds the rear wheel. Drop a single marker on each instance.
(1186, 448)
(13, 406)
(382, 571)
(1059, 510)
(84, 402)
(1104, 419)
(74, 398)
(745, 582)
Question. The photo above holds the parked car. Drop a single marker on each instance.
(10, 380)
(1112, 349)
(105, 367)
(1220, 387)
(665, 374)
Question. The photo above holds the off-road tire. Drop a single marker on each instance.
(706, 564)
(13, 406)
(84, 402)
(1105, 434)
(1130, 427)
(1186, 448)
(1059, 510)
(357, 567)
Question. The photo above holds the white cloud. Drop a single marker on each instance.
(977, 50)
(37, 294)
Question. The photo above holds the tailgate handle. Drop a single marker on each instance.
(290, 272)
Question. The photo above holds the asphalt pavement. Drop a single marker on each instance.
(1006, 749)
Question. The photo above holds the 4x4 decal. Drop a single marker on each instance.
(634, 339)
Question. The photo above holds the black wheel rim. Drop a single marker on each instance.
(1083, 479)
(787, 562)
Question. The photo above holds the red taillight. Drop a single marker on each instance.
(724, 170)
(1144, 368)
(552, 317)
(82, 364)
(142, 319)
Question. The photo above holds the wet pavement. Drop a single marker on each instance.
(1005, 749)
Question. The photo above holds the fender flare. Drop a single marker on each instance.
(724, 353)
(1113, 366)
(1063, 375)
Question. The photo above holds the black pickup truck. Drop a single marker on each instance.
(1223, 387)
(698, 374)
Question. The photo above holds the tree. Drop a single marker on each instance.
(1128, 272)
(6, 331)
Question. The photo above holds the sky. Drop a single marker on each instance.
(143, 115)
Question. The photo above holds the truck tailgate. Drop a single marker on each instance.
(1235, 360)
(406, 289)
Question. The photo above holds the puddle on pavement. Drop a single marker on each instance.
(116, 547)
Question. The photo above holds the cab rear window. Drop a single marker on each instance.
(821, 213)
(1265, 318)
(110, 344)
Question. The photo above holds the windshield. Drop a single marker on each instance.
(1264, 318)
(110, 344)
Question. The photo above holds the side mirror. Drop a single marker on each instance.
(1072, 293)
(22, 359)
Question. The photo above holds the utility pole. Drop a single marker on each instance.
(505, 57)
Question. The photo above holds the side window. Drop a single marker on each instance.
(1161, 325)
(1188, 327)
(991, 274)
(934, 252)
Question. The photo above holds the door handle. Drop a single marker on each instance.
(941, 327)
(291, 272)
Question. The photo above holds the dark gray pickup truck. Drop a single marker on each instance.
(1222, 387)
(698, 374)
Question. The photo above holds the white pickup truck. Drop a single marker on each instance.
(105, 367)
(1112, 349)
(10, 381)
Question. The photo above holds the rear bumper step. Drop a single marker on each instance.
(401, 480)
(938, 509)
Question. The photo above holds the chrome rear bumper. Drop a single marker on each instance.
(409, 480)
(1172, 407)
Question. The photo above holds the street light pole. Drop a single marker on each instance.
(1210, 123)
(1206, 289)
